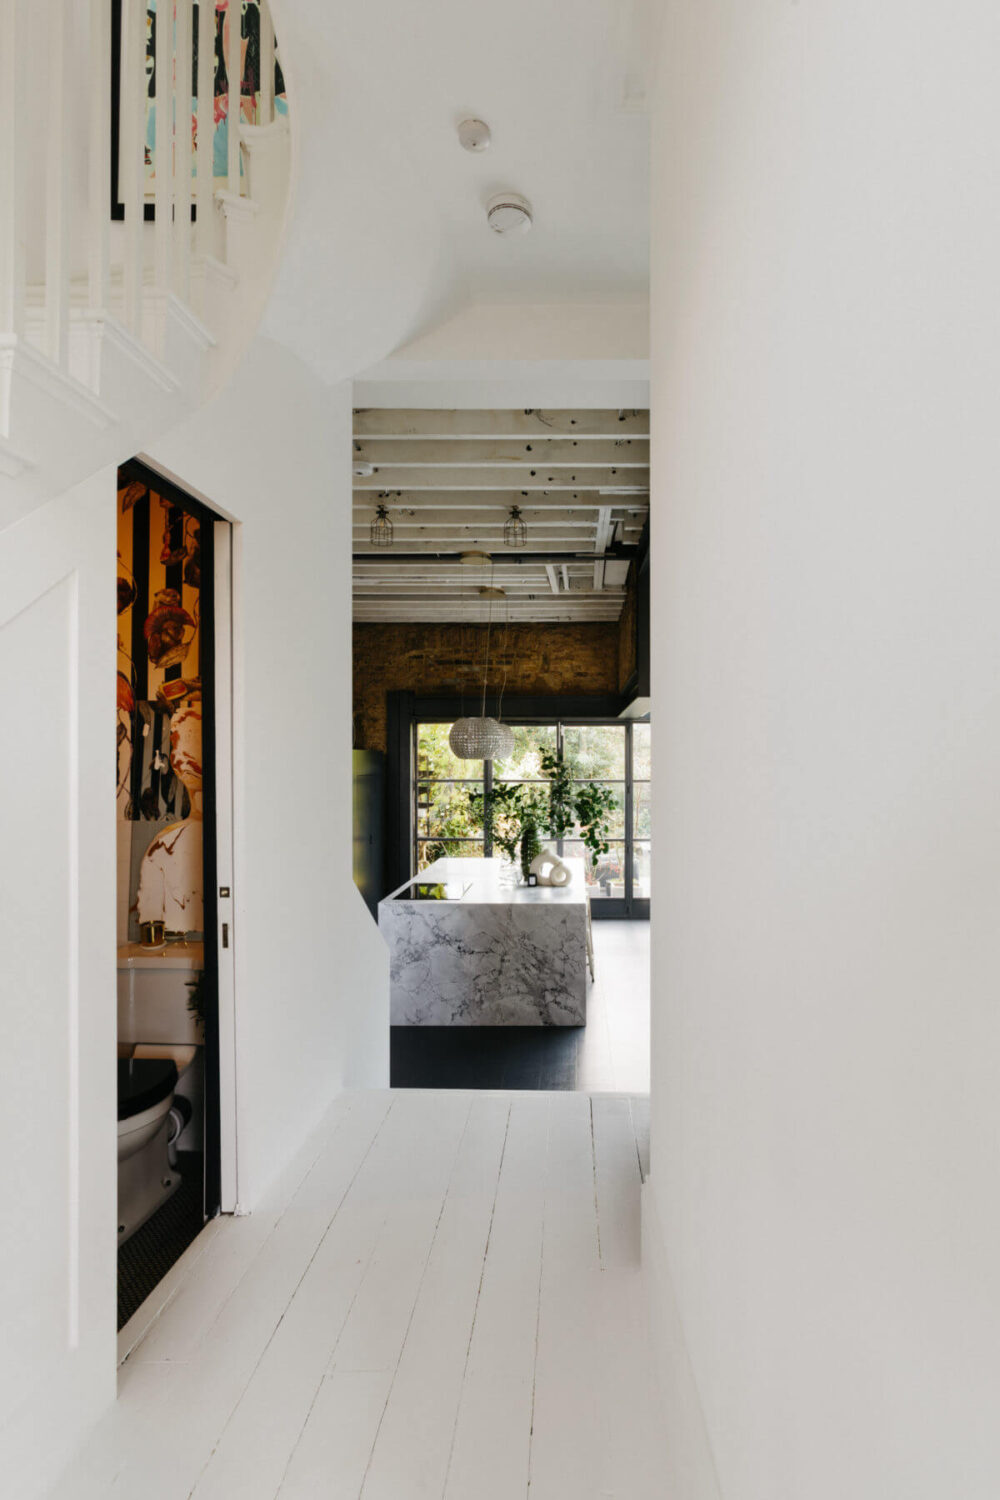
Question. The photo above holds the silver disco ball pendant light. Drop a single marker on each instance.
(482, 738)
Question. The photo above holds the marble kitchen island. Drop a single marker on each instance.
(467, 948)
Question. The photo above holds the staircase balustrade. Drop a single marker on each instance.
(181, 295)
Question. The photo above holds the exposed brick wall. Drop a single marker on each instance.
(556, 659)
(627, 654)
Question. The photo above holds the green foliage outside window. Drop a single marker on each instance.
(562, 798)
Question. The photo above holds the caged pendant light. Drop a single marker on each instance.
(380, 531)
(515, 530)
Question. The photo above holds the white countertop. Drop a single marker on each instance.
(170, 956)
(487, 889)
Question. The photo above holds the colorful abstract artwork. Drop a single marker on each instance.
(248, 12)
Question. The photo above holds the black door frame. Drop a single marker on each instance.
(136, 469)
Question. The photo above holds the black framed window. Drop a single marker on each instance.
(614, 752)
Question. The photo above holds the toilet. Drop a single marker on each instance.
(145, 1177)
(159, 1075)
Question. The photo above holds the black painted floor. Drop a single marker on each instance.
(485, 1057)
(147, 1256)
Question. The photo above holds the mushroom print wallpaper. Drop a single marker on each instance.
(159, 714)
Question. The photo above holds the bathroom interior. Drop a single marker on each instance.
(168, 1141)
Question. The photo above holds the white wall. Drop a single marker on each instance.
(312, 972)
(57, 979)
(826, 679)
(273, 453)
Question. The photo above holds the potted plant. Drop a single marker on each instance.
(513, 815)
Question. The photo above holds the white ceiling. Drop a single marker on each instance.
(388, 231)
(448, 480)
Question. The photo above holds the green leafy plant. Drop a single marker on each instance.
(531, 847)
(560, 810)
(502, 812)
(566, 808)
(594, 805)
(196, 997)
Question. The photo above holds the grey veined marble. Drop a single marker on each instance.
(492, 957)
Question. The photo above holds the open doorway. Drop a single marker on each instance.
(502, 736)
(170, 627)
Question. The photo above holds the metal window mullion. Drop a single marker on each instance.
(629, 820)
(488, 820)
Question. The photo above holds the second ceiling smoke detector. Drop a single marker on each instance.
(508, 213)
(474, 135)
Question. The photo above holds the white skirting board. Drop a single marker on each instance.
(691, 1474)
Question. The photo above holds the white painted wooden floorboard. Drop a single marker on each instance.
(616, 1169)
(196, 1397)
(414, 1439)
(614, 1052)
(489, 1455)
(565, 1454)
(332, 1455)
(200, 1300)
(444, 1301)
(410, 1153)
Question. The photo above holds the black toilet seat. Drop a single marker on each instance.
(143, 1082)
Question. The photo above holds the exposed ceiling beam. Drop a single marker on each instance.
(521, 476)
(449, 480)
(563, 453)
(495, 517)
(404, 423)
(417, 556)
(601, 540)
(633, 500)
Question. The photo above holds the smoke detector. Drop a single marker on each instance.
(474, 135)
(508, 213)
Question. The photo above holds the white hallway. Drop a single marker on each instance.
(440, 1298)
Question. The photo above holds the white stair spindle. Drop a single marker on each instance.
(57, 200)
(182, 152)
(206, 122)
(234, 83)
(13, 23)
(266, 96)
(163, 161)
(99, 172)
(131, 152)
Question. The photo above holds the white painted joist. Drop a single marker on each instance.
(485, 516)
(537, 601)
(502, 569)
(514, 588)
(635, 502)
(457, 539)
(615, 478)
(490, 453)
(464, 540)
(404, 423)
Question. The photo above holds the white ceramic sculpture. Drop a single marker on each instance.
(550, 869)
